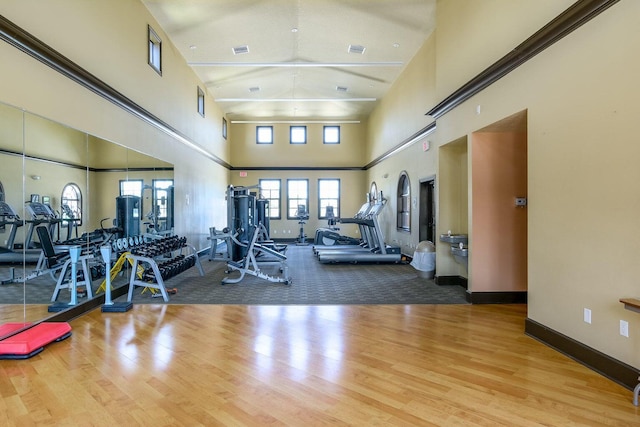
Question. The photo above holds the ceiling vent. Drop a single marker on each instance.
(341, 88)
(239, 50)
(254, 89)
(354, 48)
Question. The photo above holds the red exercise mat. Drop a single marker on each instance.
(32, 341)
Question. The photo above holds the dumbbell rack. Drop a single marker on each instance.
(161, 259)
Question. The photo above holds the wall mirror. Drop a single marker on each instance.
(66, 181)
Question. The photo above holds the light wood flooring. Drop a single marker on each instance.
(378, 365)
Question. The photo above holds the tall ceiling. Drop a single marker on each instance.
(304, 58)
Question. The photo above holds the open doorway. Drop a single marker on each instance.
(427, 210)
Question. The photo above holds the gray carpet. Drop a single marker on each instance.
(313, 284)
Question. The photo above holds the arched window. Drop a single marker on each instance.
(373, 192)
(71, 204)
(404, 202)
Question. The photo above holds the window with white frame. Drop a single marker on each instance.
(297, 197)
(331, 135)
(161, 197)
(155, 50)
(328, 195)
(131, 187)
(270, 190)
(264, 134)
(200, 101)
(71, 202)
(298, 134)
(373, 192)
(404, 203)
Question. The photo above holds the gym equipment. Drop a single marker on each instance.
(154, 262)
(329, 236)
(14, 253)
(27, 340)
(75, 256)
(40, 214)
(128, 215)
(303, 216)
(374, 249)
(249, 265)
(72, 222)
(109, 306)
(247, 238)
(8, 217)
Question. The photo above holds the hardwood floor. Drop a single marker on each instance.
(441, 365)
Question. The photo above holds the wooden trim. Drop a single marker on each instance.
(615, 370)
(401, 146)
(296, 168)
(451, 281)
(497, 297)
(564, 24)
(76, 166)
(32, 46)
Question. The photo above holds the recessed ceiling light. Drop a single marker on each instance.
(193, 47)
(354, 48)
(396, 45)
(294, 30)
(239, 50)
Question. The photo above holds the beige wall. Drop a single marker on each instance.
(582, 179)
(246, 153)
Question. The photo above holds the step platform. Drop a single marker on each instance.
(31, 341)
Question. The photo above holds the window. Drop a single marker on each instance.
(297, 196)
(404, 203)
(270, 190)
(373, 192)
(200, 101)
(264, 134)
(131, 187)
(331, 135)
(155, 50)
(298, 134)
(161, 197)
(328, 195)
(71, 204)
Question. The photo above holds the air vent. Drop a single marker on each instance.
(354, 48)
(239, 50)
(341, 89)
(254, 89)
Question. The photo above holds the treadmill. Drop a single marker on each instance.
(362, 213)
(376, 250)
(9, 255)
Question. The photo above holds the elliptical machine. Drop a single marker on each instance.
(303, 216)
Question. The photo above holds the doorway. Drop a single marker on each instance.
(427, 210)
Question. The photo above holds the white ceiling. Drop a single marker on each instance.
(297, 71)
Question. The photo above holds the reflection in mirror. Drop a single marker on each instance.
(61, 187)
(11, 174)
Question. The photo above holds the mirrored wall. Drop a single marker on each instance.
(65, 181)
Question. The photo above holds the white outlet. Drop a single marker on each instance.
(587, 315)
(624, 328)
